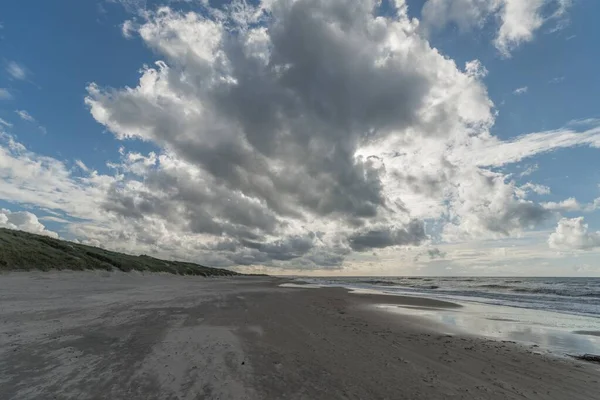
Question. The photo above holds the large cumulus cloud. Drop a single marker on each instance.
(276, 123)
(261, 117)
(573, 234)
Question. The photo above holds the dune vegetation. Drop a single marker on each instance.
(27, 251)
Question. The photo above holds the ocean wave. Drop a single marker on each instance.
(495, 286)
(378, 282)
(557, 292)
(382, 282)
(459, 280)
(425, 286)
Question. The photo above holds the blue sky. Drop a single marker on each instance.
(53, 51)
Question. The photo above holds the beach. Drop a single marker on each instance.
(109, 335)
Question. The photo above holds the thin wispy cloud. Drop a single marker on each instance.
(24, 115)
(521, 90)
(5, 94)
(529, 170)
(16, 70)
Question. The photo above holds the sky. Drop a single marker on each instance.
(308, 137)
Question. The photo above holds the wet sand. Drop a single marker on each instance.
(127, 336)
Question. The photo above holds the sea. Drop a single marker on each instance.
(580, 296)
(557, 315)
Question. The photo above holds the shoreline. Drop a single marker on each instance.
(129, 336)
(565, 334)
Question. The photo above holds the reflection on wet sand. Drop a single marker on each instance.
(555, 332)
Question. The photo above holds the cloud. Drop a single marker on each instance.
(25, 116)
(23, 221)
(376, 238)
(127, 29)
(435, 253)
(497, 153)
(487, 206)
(518, 20)
(82, 165)
(570, 204)
(16, 70)
(573, 234)
(557, 79)
(5, 123)
(281, 121)
(521, 90)
(5, 94)
(535, 188)
(291, 135)
(529, 170)
(584, 123)
(32, 179)
(431, 253)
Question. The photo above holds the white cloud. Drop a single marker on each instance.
(32, 179)
(521, 90)
(475, 69)
(535, 188)
(518, 20)
(25, 116)
(584, 123)
(16, 70)
(492, 152)
(82, 165)
(487, 206)
(5, 94)
(570, 204)
(530, 170)
(23, 221)
(573, 234)
(127, 29)
(5, 123)
(54, 219)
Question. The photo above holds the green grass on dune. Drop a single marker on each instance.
(27, 251)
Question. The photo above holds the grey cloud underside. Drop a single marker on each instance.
(413, 234)
(518, 214)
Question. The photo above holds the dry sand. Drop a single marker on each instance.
(127, 336)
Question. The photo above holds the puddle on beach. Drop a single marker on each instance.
(555, 332)
(301, 286)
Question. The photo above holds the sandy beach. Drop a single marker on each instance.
(74, 335)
